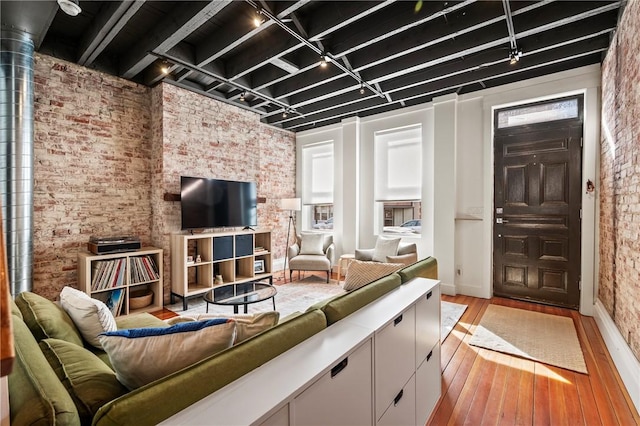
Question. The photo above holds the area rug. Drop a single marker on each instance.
(292, 297)
(450, 314)
(550, 339)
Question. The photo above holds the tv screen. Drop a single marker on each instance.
(216, 203)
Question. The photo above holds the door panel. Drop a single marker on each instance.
(537, 217)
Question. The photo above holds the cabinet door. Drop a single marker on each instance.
(428, 385)
(427, 324)
(279, 418)
(402, 410)
(395, 358)
(343, 396)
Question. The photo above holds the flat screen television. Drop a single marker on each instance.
(216, 203)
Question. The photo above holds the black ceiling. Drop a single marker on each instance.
(402, 52)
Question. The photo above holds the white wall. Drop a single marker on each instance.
(458, 177)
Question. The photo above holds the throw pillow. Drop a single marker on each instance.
(247, 325)
(385, 247)
(142, 355)
(405, 259)
(46, 319)
(312, 244)
(89, 381)
(361, 273)
(90, 316)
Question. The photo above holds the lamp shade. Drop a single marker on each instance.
(291, 204)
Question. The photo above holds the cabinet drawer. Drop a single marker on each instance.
(279, 418)
(342, 396)
(402, 410)
(427, 324)
(395, 358)
(428, 385)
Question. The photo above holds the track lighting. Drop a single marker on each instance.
(284, 113)
(514, 56)
(258, 19)
(164, 68)
(242, 97)
(324, 59)
(70, 7)
(362, 88)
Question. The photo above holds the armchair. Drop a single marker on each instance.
(311, 252)
(406, 253)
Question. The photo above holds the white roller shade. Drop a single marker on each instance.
(317, 173)
(398, 164)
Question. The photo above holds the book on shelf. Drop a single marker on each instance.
(114, 303)
(143, 269)
(108, 274)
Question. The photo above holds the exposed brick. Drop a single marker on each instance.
(618, 287)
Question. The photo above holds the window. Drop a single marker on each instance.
(317, 184)
(539, 113)
(398, 179)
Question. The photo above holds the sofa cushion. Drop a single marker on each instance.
(142, 355)
(247, 325)
(361, 273)
(312, 244)
(337, 308)
(91, 316)
(385, 247)
(89, 381)
(425, 268)
(45, 319)
(37, 395)
(141, 320)
(168, 394)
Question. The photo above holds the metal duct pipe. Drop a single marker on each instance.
(16, 155)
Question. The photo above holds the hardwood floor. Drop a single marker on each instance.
(483, 387)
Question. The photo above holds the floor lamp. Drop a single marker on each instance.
(291, 204)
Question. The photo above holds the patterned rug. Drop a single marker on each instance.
(450, 314)
(550, 339)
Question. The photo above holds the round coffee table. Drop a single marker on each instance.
(237, 294)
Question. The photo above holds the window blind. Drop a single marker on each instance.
(398, 164)
(317, 176)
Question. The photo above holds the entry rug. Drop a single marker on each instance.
(550, 339)
(450, 314)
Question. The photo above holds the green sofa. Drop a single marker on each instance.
(48, 389)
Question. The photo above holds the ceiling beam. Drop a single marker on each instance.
(104, 28)
(177, 25)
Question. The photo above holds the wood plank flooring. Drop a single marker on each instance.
(483, 387)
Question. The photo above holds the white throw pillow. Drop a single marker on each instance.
(312, 244)
(247, 325)
(142, 355)
(90, 316)
(361, 273)
(385, 247)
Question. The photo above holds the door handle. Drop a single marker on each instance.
(338, 368)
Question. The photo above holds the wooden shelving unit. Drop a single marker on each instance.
(89, 265)
(232, 255)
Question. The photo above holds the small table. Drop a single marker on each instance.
(237, 294)
(347, 259)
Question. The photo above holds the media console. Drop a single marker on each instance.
(235, 256)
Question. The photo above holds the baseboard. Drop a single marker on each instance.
(624, 360)
(448, 289)
(472, 291)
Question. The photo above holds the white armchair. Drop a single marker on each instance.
(311, 252)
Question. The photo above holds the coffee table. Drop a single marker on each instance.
(237, 294)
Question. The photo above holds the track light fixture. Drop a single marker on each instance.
(324, 59)
(242, 97)
(70, 7)
(164, 68)
(362, 88)
(514, 56)
(258, 20)
(284, 113)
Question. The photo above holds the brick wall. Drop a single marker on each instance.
(205, 138)
(107, 150)
(619, 288)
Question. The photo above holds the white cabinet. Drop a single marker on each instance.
(342, 396)
(395, 358)
(371, 368)
(402, 410)
(428, 385)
